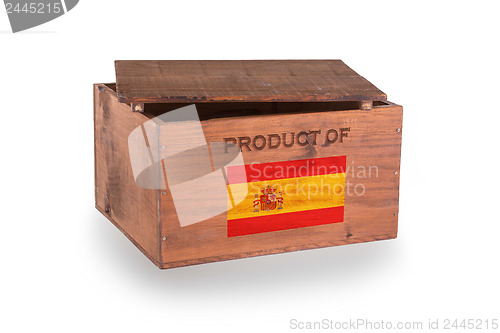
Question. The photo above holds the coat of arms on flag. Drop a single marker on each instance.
(286, 195)
(268, 200)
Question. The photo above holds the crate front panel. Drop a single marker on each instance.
(371, 145)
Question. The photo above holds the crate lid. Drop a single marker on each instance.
(204, 81)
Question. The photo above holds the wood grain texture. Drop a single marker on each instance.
(373, 141)
(132, 209)
(204, 81)
(315, 245)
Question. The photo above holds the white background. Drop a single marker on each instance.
(65, 268)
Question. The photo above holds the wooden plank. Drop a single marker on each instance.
(132, 209)
(165, 81)
(255, 253)
(374, 140)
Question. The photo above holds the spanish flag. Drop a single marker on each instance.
(285, 195)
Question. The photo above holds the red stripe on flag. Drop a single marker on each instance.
(284, 221)
(258, 172)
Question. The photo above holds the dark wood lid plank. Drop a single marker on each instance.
(199, 81)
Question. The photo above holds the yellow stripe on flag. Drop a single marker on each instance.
(298, 194)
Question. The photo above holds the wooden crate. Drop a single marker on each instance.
(317, 116)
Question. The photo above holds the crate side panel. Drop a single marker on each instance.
(132, 209)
